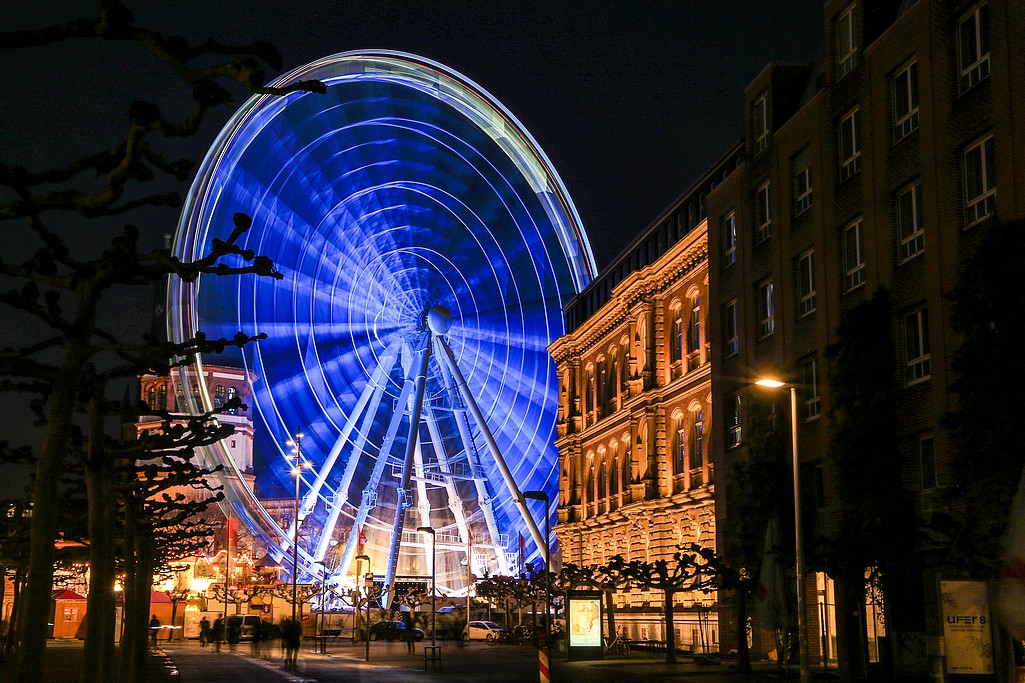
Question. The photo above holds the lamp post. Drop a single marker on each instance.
(543, 496)
(802, 611)
(323, 592)
(434, 578)
(296, 443)
(367, 584)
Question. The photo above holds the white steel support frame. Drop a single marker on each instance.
(411, 401)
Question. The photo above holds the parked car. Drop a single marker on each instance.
(392, 630)
(246, 624)
(482, 630)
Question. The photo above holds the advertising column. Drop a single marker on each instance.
(966, 627)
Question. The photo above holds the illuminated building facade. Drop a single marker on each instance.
(878, 167)
(636, 478)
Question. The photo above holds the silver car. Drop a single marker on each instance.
(482, 630)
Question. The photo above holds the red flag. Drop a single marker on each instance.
(361, 540)
(523, 554)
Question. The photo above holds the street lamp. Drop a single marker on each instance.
(802, 612)
(434, 577)
(543, 496)
(296, 444)
(367, 585)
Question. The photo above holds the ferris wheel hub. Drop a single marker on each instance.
(439, 319)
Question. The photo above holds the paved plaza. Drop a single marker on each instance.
(187, 662)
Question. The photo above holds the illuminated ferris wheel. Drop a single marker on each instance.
(428, 247)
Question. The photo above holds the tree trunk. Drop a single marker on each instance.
(33, 628)
(743, 653)
(101, 611)
(670, 630)
(610, 610)
(129, 621)
(850, 628)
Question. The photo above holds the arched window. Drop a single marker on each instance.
(603, 385)
(602, 480)
(162, 396)
(589, 399)
(151, 397)
(679, 443)
(232, 393)
(676, 340)
(697, 434)
(179, 399)
(616, 474)
(694, 325)
(590, 481)
(218, 396)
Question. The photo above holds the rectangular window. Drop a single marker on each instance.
(760, 121)
(676, 344)
(802, 181)
(806, 283)
(850, 146)
(846, 47)
(973, 47)
(980, 183)
(909, 222)
(853, 256)
(810, 387)
(731, 329)
(916, 346)
(927, 462)
(734, 436)
(766, 309)
(694, 328)
(905, 101)
(729, 239)
(763, 219)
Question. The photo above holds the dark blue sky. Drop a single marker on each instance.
(630, 100)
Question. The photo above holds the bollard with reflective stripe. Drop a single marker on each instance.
(542, 661)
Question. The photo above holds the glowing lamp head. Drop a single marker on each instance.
(770, 383)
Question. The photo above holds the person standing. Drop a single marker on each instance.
(217, 633)
(154, 629)
(410, 633)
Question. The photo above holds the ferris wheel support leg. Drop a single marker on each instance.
(407, 466)
(486, 504)
(510, 483)
(378, 384)
(455, 503)
(375, 478)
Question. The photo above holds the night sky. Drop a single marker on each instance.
(631, 101)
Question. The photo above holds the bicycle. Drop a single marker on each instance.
(617, 646)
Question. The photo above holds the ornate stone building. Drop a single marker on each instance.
(634, 386)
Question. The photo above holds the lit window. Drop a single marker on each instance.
(763, 219)
(850, 146)
(734, 435)
(909, 222)
(802, 181)
(766, 309)
(853, 256)
(905, 101)
(980, 182)
(916, 346)
(810, 387)
(694, 328)
(846, 47)
(697, 435)
(973, 47)
(760, 116)
(680, 451)
(676, 343)
(729, 239)
(806, 283)
(731, 324)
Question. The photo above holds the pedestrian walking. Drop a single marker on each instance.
(154, 629)
(204, 631)
(217, 633)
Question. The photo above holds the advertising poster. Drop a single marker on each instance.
(967, 627)
(585, 622)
